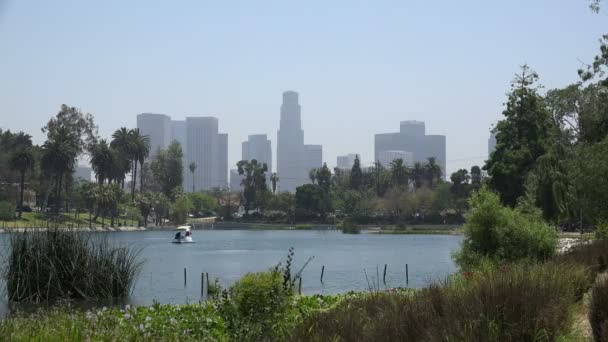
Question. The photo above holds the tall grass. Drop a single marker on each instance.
(63, 264)
(522, 303)
(598, 309)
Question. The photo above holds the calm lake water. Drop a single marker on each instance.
(228, 254)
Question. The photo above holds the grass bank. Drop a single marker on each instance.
(40, 220)
(420, 229)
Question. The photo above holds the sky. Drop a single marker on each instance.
(360, 67)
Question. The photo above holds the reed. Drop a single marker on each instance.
(65, 264)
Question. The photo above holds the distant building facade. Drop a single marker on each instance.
(412, 138)
(293, 158)
(491, 143)
(387, 157)
(346, 162)
(235, 180)
(257, 147)
(158, 128)
(209, 150)
(313, 157)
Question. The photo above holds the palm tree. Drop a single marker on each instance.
(122, 142)
(192, 168)
(101, 161)
(274, 179)
(399, 172)
(432, 171)
(59, 154)
(22, 160)
(141, 151)
(417, 175)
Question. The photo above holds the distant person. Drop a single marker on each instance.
(178, 236)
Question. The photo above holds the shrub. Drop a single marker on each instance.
(304, 226)
(350, 227)
(63, 264)
(502, 233)
(601, 231)
(518, 303)
(598, 309)
(7, 211)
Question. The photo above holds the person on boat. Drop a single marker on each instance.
(188, 233)
(178, 236)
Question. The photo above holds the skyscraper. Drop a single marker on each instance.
(158, 128)
(387, 157)
(209, 150)
(290, 145)
(346, 162)
(313, 157)
(412, 138)
(258, 147)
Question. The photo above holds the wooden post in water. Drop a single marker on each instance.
(207, 292)
(322, 272)
(300, 285)
(184, 277)
(384, 275)
(203, 285)
(407, 280)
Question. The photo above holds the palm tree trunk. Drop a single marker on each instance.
(58, 193)
(192, 182)
(21, 196)
(133, 182)
(141, 179)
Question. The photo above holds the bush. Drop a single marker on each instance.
(520, 303)
(62, 264)
(503, 234)
(7, 211)
(598, 310)
(305, 226)
(601, 231)
(349, 227)
(255, 306)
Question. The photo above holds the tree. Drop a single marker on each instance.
(22, 160)
(141, 151)
(312, 175)
(432, 172)
(70, 121)
(253, 183)
(521, 137)
(59, 154)
(323, 176)
(168, 170)
(123, 144)
(356, 175)
(460, 181)
(274, 179)
(202, 202)
(418, 175)
(311, 200)
(476, 177)
(192, 168)
(399, 172)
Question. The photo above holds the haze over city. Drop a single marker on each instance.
(360, 68)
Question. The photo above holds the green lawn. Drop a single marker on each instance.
(38, 220)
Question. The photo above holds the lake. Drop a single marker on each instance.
(228, 254)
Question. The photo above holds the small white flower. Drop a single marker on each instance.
(148, 318)
(127, 307)
(173, 320)
(127, 316)
(151, 308)
(141, 327)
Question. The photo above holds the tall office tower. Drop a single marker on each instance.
(412, 137)
(235, 180)
(313, 157)
(178, 133)
(258, 147)
(158, 128)
(346, 162)
(387, 157)
(290, 145)
(221, 176)
(209, 150)
(491, 143)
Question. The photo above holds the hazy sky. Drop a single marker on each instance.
(360, 66)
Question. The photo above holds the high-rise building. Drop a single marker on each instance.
(313, 157)
(209, 150)
(412, 138)
(290, 145)
(235, 180)
(158, 128)
(387, 157)
(221, 159)
(491, 143)
(346, 162)
(258, 147)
